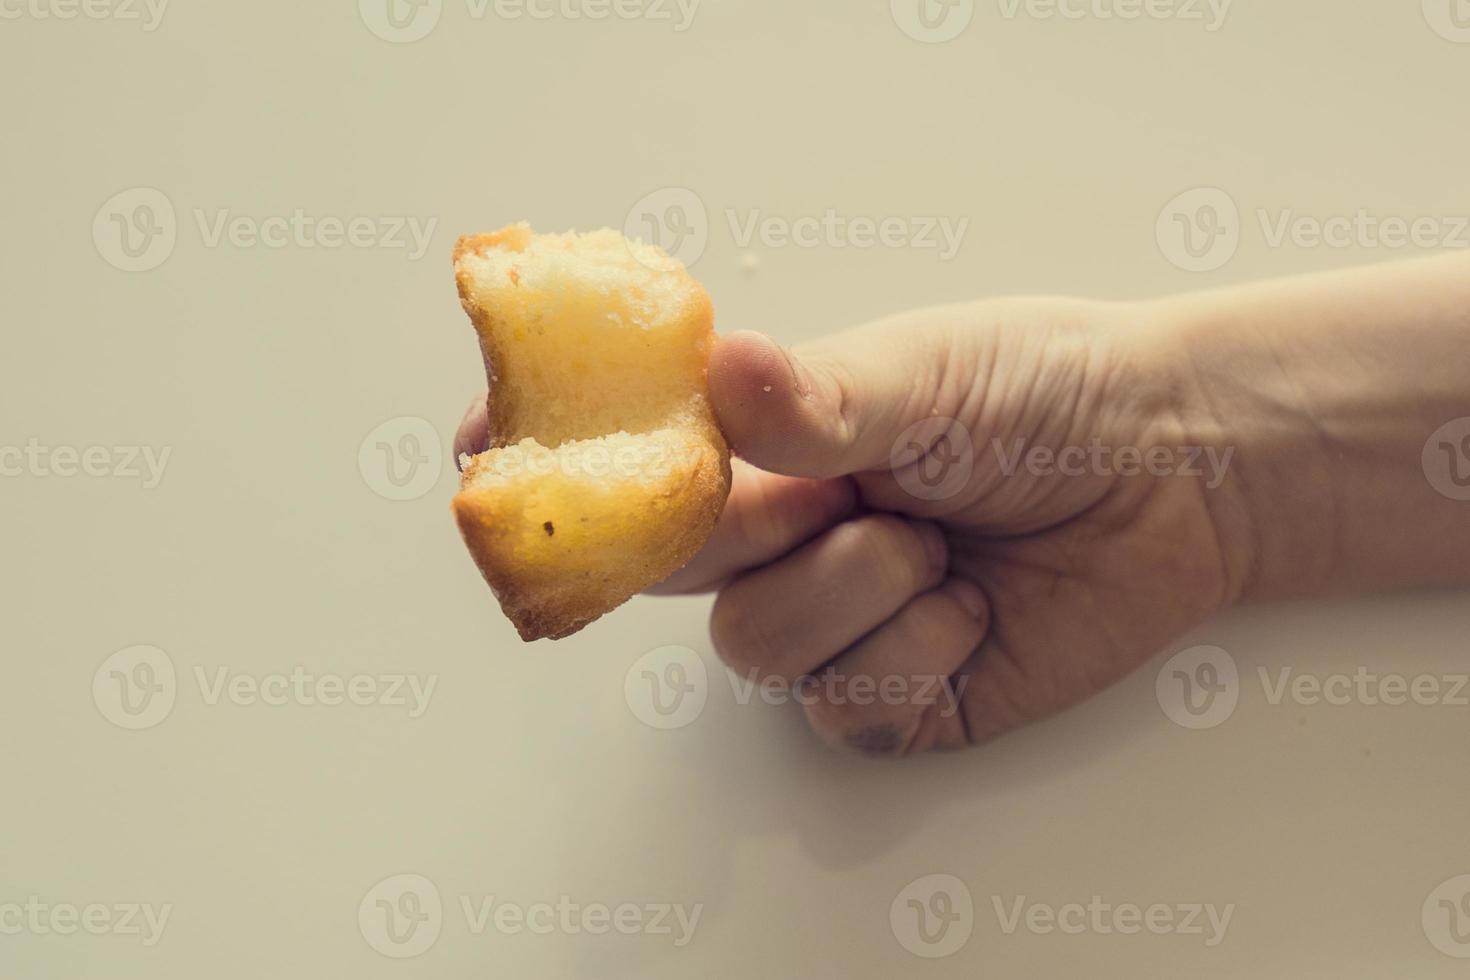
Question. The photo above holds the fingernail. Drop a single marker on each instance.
(970, 596)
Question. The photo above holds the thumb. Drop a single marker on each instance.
(830, 408)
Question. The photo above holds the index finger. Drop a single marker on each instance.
(765, 518)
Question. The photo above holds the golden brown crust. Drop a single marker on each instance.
(542, 607)
(603, 543)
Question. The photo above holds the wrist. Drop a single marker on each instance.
(1327, 390)
(1234, 401)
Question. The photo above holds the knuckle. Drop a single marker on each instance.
(935, 625)
(736, 632)
(892, 550)
(926, 629)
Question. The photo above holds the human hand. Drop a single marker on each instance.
(846, 558)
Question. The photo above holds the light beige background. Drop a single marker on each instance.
(267, 547)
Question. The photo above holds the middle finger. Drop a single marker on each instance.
(789, 618)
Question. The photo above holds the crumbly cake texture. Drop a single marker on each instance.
(606, 469)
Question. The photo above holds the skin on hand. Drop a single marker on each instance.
(915, 612)
(1023, 588)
